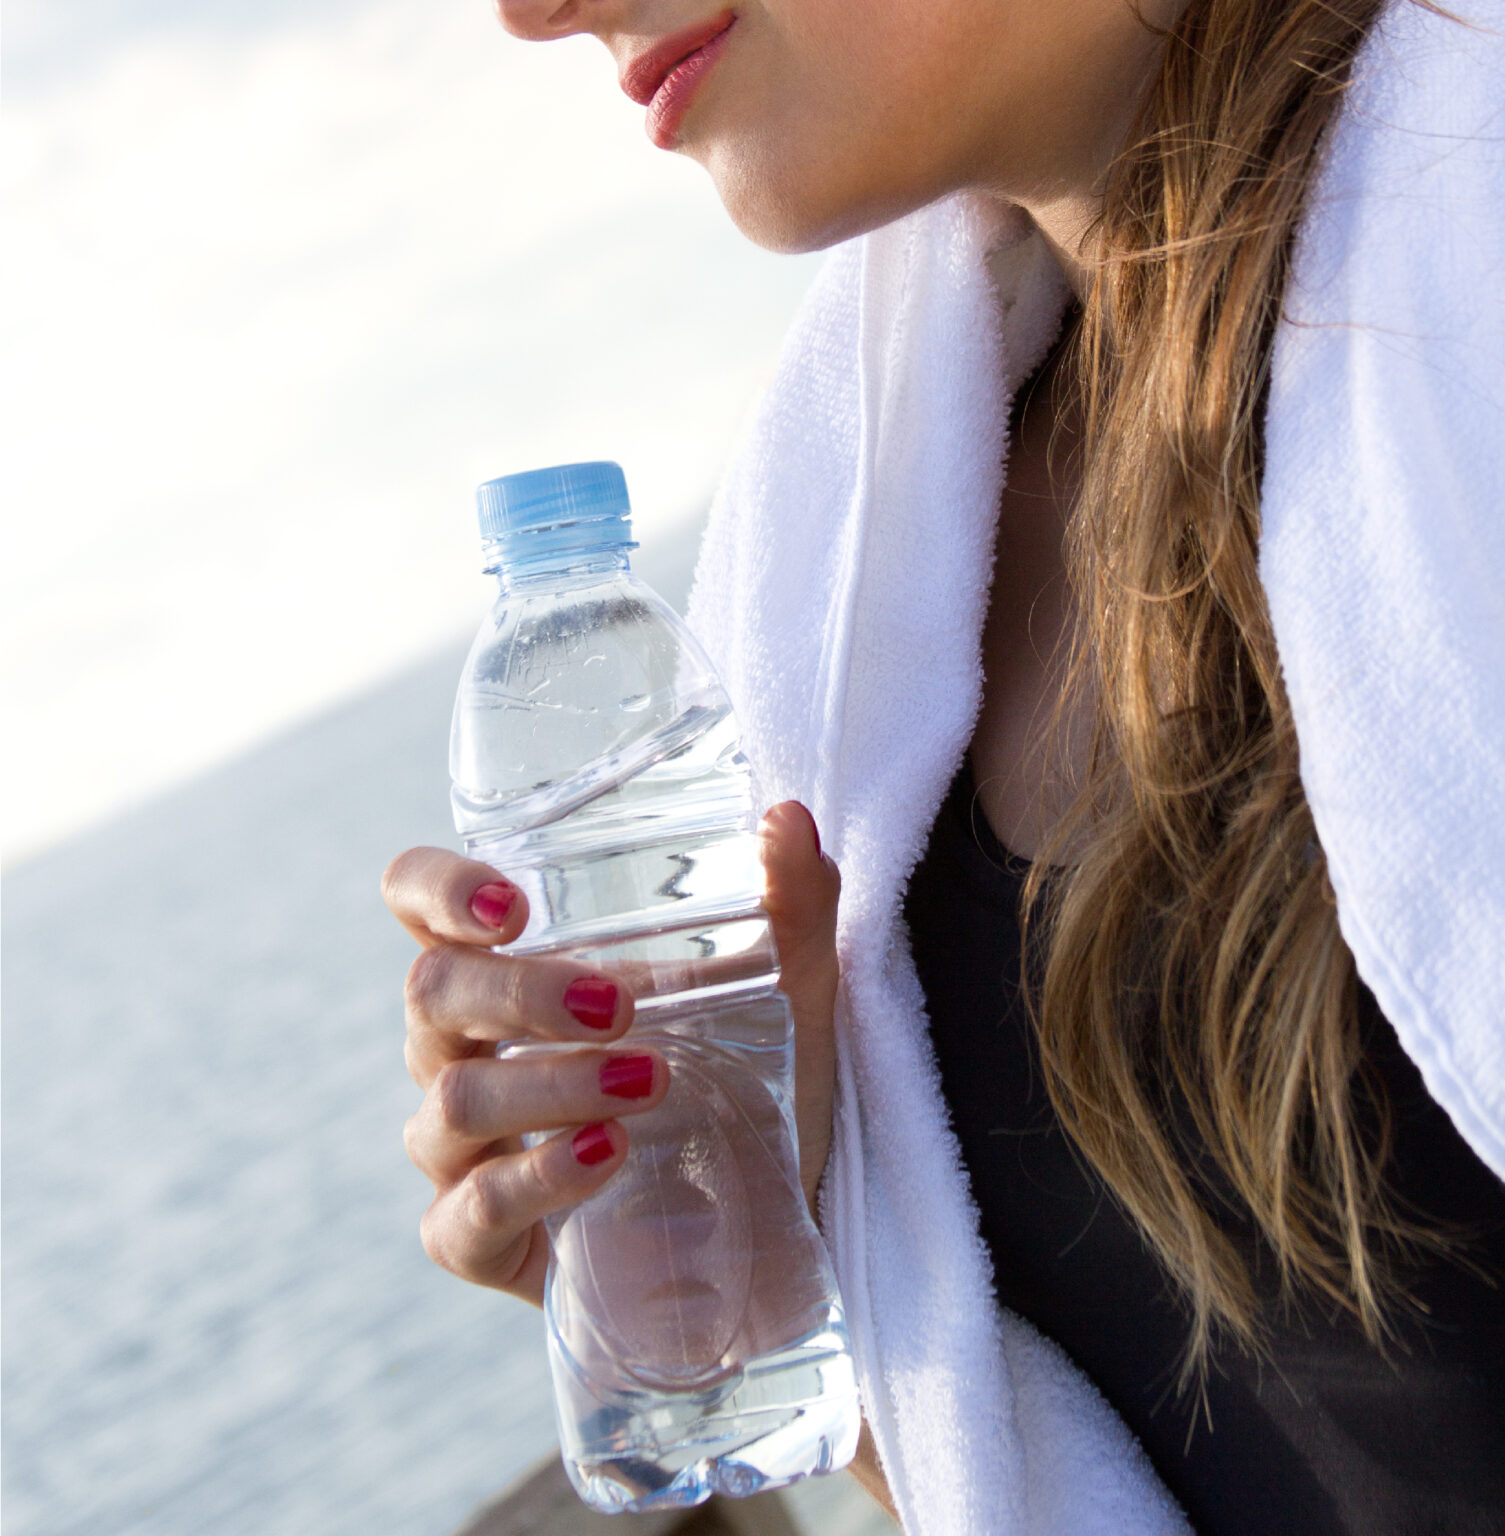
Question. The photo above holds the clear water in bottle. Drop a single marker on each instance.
(695, 1330)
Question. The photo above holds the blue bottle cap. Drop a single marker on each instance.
(544, 516)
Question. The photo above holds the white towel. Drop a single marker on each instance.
(841, 592)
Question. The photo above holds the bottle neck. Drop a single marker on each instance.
(557, 570)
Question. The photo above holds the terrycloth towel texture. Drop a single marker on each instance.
(1383, 553)
(842, 590)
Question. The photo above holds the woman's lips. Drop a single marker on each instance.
(666, 78)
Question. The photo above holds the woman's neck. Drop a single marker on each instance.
(1027, 772)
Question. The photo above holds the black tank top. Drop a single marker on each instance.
(1323, 1435)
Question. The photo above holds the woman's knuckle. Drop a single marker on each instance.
(412, 1061)
(412, 1138)
(428, 976)
(488, 1207)
(512, 986)
(510, 1260)
(437, 1238)
(454, 1095)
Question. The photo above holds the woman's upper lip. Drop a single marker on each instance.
(644, 74)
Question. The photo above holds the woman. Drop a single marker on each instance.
(1158, 1112)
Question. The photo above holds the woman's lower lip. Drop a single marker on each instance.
(672, 99)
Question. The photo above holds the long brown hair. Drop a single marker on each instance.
(1198, 1006)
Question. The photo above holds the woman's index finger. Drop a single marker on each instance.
(443, 898)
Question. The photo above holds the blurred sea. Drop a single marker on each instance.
(217, 1314)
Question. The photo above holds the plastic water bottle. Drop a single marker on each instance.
(695, 1331)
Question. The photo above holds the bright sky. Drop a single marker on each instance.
(281, 285)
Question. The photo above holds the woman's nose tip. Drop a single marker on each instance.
(539, 21)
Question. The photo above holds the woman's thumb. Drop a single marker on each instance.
(800, 899)
(801, 892)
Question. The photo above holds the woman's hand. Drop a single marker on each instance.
(491, 1193)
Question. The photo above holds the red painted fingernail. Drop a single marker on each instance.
(490, 904)
(814, 831)
(627, 1077)
(592, 1145)
(592, 1001)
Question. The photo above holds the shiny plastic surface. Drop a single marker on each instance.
(695, 1329)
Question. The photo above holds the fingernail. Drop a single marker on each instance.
(592, 1145)
(592, 1001)
(627, 1077)
(814, 831)
(491, 903)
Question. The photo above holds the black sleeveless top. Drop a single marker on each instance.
(1324, 1435)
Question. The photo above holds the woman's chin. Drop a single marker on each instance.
(793, 214)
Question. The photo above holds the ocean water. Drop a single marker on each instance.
(217, 1314)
